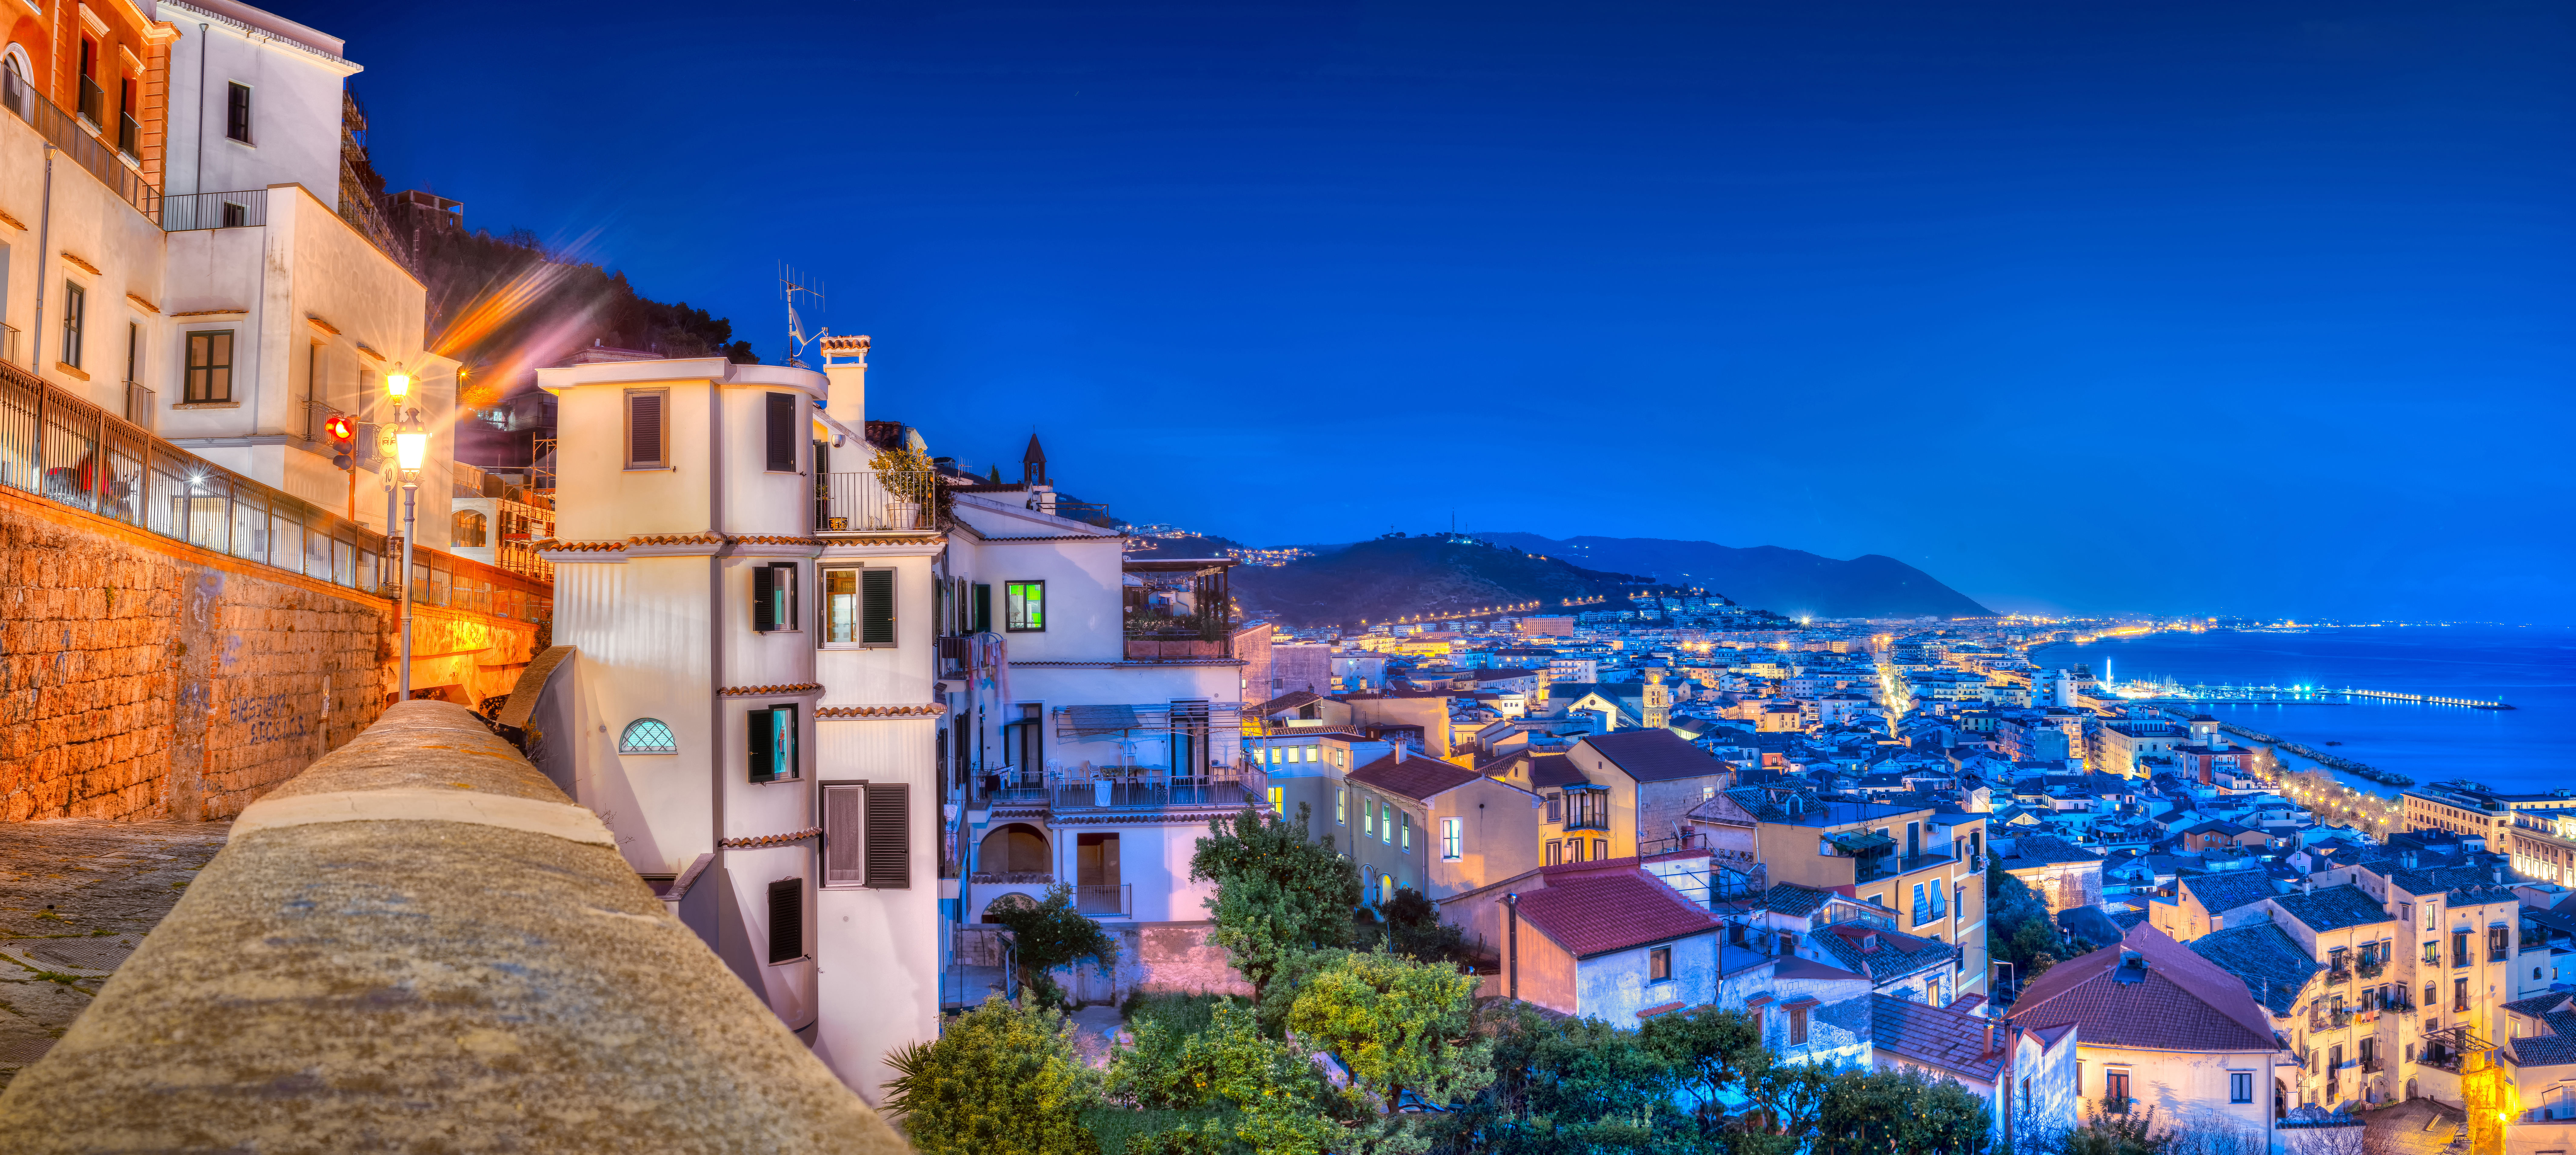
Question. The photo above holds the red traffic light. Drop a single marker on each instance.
(341, 429)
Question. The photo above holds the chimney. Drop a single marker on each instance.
(1990, 1031)
(845, 365)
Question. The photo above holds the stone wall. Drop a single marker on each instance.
(141, 677)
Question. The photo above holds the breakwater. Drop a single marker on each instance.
(2320, 757)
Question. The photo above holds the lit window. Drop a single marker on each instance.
(1024, 607)
(1453, 838)
(647, 736)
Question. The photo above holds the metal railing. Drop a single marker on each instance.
(1114, 786)
(129, 135)
(64, 449)
(1118, 899)
(9, 344)
(240, 209)
(93, 102)
(85, 150)
(875, 500)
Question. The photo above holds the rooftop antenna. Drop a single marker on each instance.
(791, 283)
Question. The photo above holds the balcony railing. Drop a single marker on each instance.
(61, 128)
(2338, 975)
(1117, 899)
(129, 135)
(2370, 966)
(240, 209)
(1115, 787)
(93, 102)
(2372, 1065)
(876, 500)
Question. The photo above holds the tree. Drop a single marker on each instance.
(1278, 892)
(1880, 1112)
(1402, 1029)
(1001, 1078)
(1051, 934)
(1415, 931)
(1569, 1085)
(1273, 1099)
(1708, 1051)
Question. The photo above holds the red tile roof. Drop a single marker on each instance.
(1948, 1038)
(1417, 777)
(1656, 755)
(2180, 1002)
(1610, 906)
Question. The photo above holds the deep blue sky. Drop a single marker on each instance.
(2226, 307)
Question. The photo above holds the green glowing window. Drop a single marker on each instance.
(1024, 607)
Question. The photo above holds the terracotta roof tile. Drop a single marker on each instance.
(1944, 1037)
(2179, 1002)
(1592, 914)
(1417, 777)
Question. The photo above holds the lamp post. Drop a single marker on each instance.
(411, 444)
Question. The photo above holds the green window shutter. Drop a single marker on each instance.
(876, 607)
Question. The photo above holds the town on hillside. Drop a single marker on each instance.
(837, 797)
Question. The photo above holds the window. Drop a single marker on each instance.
(1279, 800)
(1600, 849)
(1385, 824)
(1453, 839)
(468, 530)
(2459, 994)
(1024, 607)
(1404, 833)
(840, 607)
(210, 366)
(2459, 948)
(75, 305)
(1555, 854)
(981, 600)
(236, 215)
(1574, 850)
(647, 736)
(867, 835)
(2499, 944)
(786, 920)
(773, 597)
(648, 434)
(133, 352)
(773, 744)
(1341, 807)
(237, 114)
(782, 432)
(2433, 951)
(2115, 1091)
(1555, 813)
(1659, 965)
(1368, 817)
(1797, 1026)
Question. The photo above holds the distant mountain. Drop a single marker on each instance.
(1785, 581)
(1399, 577)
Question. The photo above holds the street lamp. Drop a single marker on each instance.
(411, 445)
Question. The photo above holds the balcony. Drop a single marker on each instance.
(1140, 787)
(239, 209)
(2370, 966)
(129, 136)
(2373, 1065)
(93, 102)
(1178, 609)
(2338, 975)
(876, 501)
(77, 143)
(1116, 900)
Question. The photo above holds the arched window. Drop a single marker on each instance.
(469, 528)
(1013, 849)
(647, 736)
(1011, 901)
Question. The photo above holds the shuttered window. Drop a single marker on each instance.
(773, 597)
(786, 920)
(647, 436)
(782, 432)
(845, 835)
(889, 855)
(773, 743)
(876, 607)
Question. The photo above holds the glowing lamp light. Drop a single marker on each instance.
(398, 385)
(410, 448)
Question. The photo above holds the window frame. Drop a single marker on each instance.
(774, 598)
(873, 801)
(766, 716)
(190, 392)
(826, 624)
(237, 114)
(1453, 839)
(661, 428)
(75, 321)
(778, 420)
(1659, 964)
(792, 889)
(1015, 618)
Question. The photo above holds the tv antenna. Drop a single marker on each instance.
(791, 283)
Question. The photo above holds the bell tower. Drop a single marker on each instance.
(1033, 464)
(1659, 700)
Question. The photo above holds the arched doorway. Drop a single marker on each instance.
(1017, 848)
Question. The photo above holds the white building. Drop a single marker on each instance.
(843, 720)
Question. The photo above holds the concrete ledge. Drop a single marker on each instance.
(420, 984)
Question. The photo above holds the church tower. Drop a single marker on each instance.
(1033, 464)
(1659, 701)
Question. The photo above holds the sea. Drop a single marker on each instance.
(2528, 749)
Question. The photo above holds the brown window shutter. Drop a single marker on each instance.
(845, 835)
(782, 432)
(889, 862)
(876, 607)
(764, 594)
(786, 919)
(644, 429)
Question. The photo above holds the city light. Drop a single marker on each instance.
(411, 447)
(397, 384)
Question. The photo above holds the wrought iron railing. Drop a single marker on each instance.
(876, 500)
(93, 102)
(129, 135)
(1116, 899)
(66, 134)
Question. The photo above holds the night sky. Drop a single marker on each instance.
(2225, 308)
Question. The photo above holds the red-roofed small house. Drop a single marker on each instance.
(1437, 827)
(1609, 941)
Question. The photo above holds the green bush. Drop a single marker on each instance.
(1000, 1078)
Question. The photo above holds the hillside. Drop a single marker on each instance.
(1785, 581)
(1396, 577)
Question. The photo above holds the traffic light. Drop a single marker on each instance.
(344, 440)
